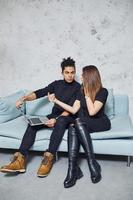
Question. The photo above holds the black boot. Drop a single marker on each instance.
(86, 142)
(74, 172)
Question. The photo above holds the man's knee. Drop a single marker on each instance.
(62, 120)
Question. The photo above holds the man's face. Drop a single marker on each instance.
(69, 74)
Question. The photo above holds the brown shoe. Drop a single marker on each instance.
(18, 164)
(46, 165)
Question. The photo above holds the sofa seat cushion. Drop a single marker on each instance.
(121, 128)
(120, 146)
(14, 128)
(17, 127)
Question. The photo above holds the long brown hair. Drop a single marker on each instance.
(91, 81)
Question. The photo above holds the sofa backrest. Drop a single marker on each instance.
(116, 105)
(39, 106)
(109, 106)
(121, 104)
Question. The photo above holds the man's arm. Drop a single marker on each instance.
(36, 94)
(29, 97)
(43, 92)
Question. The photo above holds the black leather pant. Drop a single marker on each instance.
(74, 172)
(86, 142)
(78, 134)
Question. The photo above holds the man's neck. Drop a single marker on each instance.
(69, 82)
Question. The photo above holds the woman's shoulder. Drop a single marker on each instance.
(102, 95)
(103, 92)
(103, 89)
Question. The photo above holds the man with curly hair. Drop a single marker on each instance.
(65, 90)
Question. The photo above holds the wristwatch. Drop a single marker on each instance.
(57, 117)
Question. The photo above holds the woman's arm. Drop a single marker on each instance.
(72, 109)
(93, 108)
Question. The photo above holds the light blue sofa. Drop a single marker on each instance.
(117, 141)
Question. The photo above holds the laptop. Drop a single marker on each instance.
(35, 121)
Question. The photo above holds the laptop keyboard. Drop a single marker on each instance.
(35, 120)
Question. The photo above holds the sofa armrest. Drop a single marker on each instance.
(8, 110)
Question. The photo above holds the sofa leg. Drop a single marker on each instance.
(128, 161)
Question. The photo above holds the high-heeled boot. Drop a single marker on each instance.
(86, 142)
(74, 172)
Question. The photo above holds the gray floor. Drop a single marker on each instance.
(116, 184)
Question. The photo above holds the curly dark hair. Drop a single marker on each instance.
(67, 62)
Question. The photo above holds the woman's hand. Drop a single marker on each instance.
(51, 97)
(86, 92)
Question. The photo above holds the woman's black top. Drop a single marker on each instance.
(100, 96)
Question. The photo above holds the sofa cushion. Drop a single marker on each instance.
(42, 106)
(8, 109)
(16, 128)
(109, 106)
(121, 127)
(121, 105)
(39, 106)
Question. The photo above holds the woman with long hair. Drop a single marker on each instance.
(88, 110)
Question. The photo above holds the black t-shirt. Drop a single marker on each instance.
(100, 96)
(64, 91)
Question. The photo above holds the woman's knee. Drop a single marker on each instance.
(78, 122)
(71, 129)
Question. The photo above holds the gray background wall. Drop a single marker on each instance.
(36, 34)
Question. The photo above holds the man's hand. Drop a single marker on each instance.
(19, 103)
(29, 97)
(51, 122)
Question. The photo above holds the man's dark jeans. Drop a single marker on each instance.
(61, 125)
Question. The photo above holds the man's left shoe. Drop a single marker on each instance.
(46, 165)
(18, 164)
